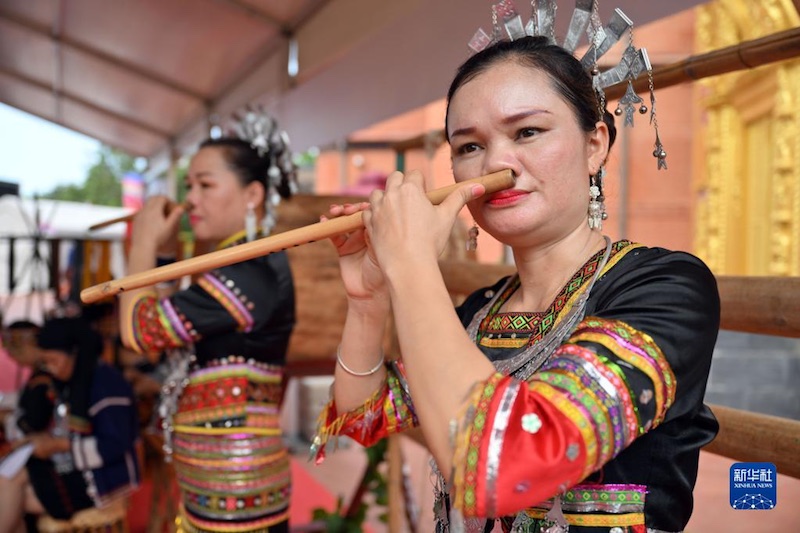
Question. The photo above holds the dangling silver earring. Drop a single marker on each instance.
(250, 225)
(597, 206)
(472, 238)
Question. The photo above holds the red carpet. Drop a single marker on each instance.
(307, 495)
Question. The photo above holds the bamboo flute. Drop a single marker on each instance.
(111, 222)
(274, 243)
(123, 218)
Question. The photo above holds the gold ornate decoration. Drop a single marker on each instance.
(748, 210)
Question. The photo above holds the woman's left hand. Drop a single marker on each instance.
(402, 224)
(157, 223)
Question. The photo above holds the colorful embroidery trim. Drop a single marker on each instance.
(225, 292)
(516, 330)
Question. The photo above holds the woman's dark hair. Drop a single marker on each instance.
(569, 78)
(71, 335)
(93, 313)
(74, 336)
(23, 324)
(247, 164)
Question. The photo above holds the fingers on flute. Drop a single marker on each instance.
(395, 179)
(174, 215)
(154, 206)
(337, 210)
(375, 196)
(416, 177)
(339, 240)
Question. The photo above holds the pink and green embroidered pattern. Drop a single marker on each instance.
(172, 318)
(598, 388)
(588, 398)
(637, 349)
(619, 403)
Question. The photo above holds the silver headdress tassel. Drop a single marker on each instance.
(507, 25)
(254, 125)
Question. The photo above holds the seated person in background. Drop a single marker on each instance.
(87, 456)
(19, 342)
(32, 405)
(35, 402)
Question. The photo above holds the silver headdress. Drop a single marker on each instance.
(254, 125)
(507, 25)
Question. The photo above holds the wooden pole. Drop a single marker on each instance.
(397, 503)
(767, 305)
(747, 55)
(746, 436)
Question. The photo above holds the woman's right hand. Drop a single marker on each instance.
(45, 445)
(157, 223)
(361, 274)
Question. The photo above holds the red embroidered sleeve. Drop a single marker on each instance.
(157, 325)
(520, 443)
(389, 410)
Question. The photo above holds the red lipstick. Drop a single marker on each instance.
(506, 197)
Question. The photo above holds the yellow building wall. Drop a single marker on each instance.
(747, 158)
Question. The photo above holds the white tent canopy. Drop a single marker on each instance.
(57, 220)
(151, 76)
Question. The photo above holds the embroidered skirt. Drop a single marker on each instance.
(231, 465)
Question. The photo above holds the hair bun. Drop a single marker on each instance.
(256, 126)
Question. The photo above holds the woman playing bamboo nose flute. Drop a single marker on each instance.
(568, 396)
(231, 327)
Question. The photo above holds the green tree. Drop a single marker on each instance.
(103, 184)
(69, 193)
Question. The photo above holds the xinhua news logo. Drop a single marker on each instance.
(754, 486)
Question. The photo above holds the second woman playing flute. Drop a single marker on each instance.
(220, 408)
